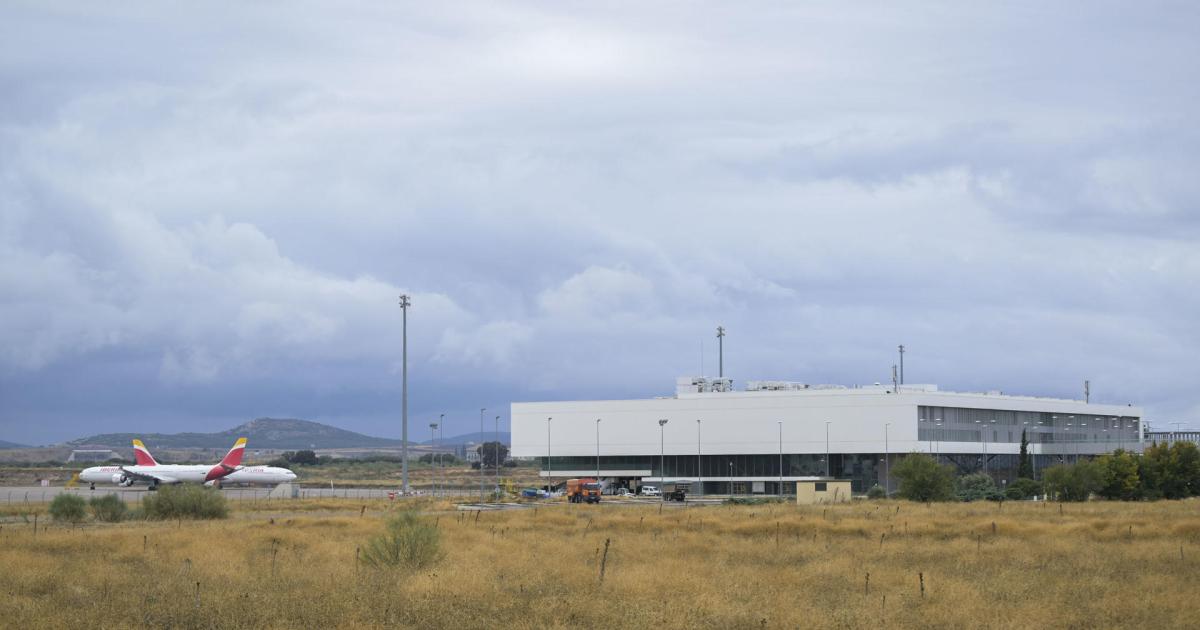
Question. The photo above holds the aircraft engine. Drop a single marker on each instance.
(122, 480)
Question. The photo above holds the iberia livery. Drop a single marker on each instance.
(147, 470)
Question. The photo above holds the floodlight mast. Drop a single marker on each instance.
(720, 352)
(404, 304)
(433, 455)
(497, 456)
(481, 453)
(662, 456)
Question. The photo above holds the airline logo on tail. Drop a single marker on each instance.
(231, 462)
(141, 456)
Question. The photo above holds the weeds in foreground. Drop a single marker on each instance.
(408, 542)
(185, 501)
(866, 564)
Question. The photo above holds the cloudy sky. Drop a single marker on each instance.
(207, 212)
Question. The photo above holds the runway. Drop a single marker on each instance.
(134, 495)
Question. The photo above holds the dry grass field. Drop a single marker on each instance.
(1020, 566)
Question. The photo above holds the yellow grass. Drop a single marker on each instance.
(1096, 565)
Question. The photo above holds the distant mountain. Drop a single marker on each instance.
(274, 433)
(4, 444)
(490, 436)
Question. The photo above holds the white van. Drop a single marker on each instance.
(650, 491)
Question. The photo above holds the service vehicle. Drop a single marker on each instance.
(585, 490)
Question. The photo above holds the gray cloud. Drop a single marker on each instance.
(208, 217)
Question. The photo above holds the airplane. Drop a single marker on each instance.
(258, 474)
(247, 475)
(146, 470)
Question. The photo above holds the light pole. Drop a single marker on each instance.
(731, 477)
(597, 450)
(937, 440)
(497, 453)
(1074, 442)
(662, 453)
(720, 352)
(481, 453)
(1174, 437)
(780, 457)
(827, 448)
(404, 304)
(441, 434)
(887, 471)
(699, 463)
(433, 440)
(1054, 438)
(983, 434)
(549, 472)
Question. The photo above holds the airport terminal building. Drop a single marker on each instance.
(759, 439)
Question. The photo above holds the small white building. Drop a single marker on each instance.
(774, 432)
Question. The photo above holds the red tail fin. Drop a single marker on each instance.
(141, 456)
(233, 458)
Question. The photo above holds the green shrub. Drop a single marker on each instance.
(108, 508)
(68, 508)
(1073, 482)
(408, 543)
(185, 501)
(923, 479)
(976, 487)
(876, 492)
(1023, 489)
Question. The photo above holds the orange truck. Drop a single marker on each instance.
(583, 490)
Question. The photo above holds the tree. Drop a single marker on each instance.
(977, 486)
(306, 458)
(442, 459)
(492, 454)
(1170, 472)
(1073, 482)
(923, 479)
(1119, 476)
(1024, 463)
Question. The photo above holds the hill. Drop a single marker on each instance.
(503, 437)
(274, 433)
(5, 444)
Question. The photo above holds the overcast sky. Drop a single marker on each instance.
(208, 211)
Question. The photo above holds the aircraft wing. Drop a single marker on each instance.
(149, 476)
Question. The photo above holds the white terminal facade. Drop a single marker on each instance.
(774, 432)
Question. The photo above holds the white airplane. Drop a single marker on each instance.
(269, 475)
(146, 470)
(244, 474)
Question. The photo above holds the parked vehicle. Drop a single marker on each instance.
(650, 491)
(676, 491)
(624, 492)
(583, 490)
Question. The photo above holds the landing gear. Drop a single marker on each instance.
(153, 487)
(93, 486)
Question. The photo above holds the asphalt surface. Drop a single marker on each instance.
(37, 494)
(134, 495)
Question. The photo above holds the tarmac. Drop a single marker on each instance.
(134, 495)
